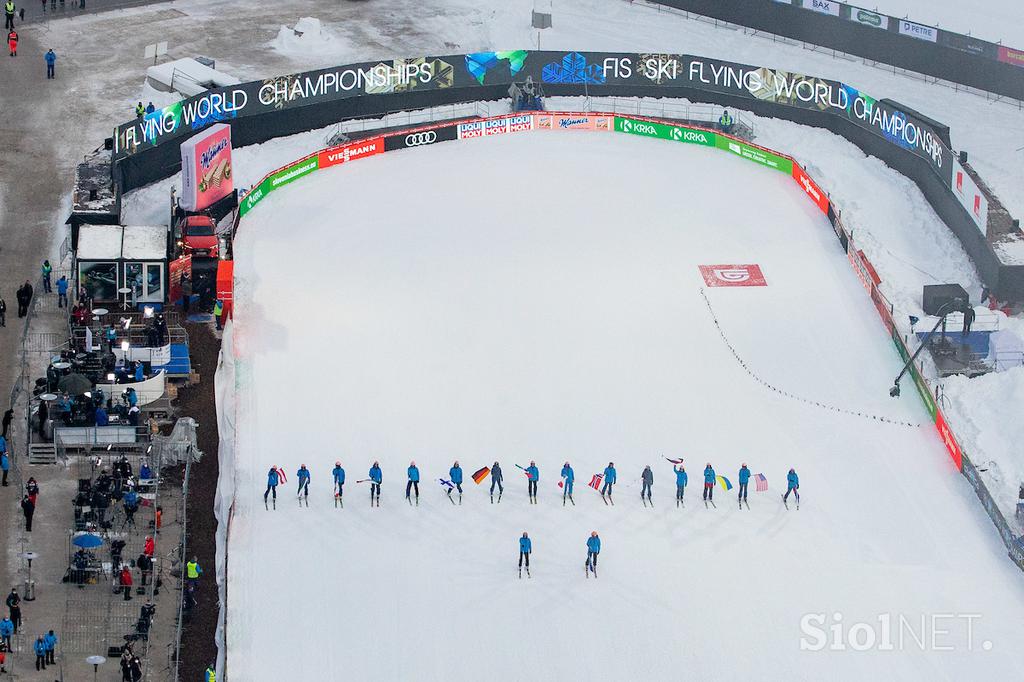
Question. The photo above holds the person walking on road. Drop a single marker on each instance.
(6, 630)
(9, 15)
(50, 640)
(24, 296)
(46, 270)
(192, 572)
(51, 61)
(13, 602)
(525, 549)
(28, 508)
(496, 481)
(40, 648)
(12, 42)
(62, 291)
(3, 312)
(126, 582)
(5, 465)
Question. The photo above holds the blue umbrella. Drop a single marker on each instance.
(87, 541)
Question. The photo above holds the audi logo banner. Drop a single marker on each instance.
(419, 138)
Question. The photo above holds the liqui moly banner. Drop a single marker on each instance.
(495, 126)
(970, 197)
(206, 168)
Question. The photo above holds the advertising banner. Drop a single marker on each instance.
(206, 168)
(968, 44)
(860, 268)
(755, 154)
(1009, 55)
(495, 126)
(948, 439)
(919, 31)
(665, 132)
(350, 152)
(970, 197)
(572, 122)
(275, 180)
(823, 6)
(420, 138)
(868, 18)
(749, 275)
(175, 269)
(808, 185)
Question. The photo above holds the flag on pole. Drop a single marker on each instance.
(447, 484)
(724, 482)
(524, 470)
(280, 474)
(675, 461)
(595, 482)
(480, 474)
(760, 483)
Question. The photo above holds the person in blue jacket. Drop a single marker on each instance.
(532, 477)
(376, 476)
(50, 640)
(339, 480)
(40, 648)
(6, 630)
(681, 480)
(709, 483)
(593, 549)
(303, 475)
(62, 291)
(51, 61)
(496, 477)
(414, 482)
(455, 473)
(567, 478)
(5, 465)
(272, 480)
(744, 477)
(609, 479)
(792, 486)
(525, 548)
(101, 417)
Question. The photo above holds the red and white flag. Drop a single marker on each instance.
(280, 475)
(760, 483)
(595, 482)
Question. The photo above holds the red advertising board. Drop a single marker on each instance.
(350, 152)
(1011, 56)
(226, 285)
(733, 275)
(948, 439)
(176, 268)
(808, 185)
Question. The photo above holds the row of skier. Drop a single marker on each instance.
(590, 566)
(603, 482)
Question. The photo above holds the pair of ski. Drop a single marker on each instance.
(450, 498)
(408, 498)
(712, 504)
(521, 571)
(645, 500)
(786, 502)
(588, 567)
(338, 501)
(570, 499)
(533, 499)
(300, 499)
(499, 498)
(744, 502)
(265, 504)
(608, 499)
(680, 502)
(372, 498)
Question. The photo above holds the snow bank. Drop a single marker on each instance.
(187, 76)
(224, 386)
(309, 38)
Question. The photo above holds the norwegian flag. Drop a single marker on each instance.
(595, 482)
(760, 483)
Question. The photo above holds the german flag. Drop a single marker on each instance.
(480, 474)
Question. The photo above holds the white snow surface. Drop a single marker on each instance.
(997, 21)
(567, 324)
(308, 37)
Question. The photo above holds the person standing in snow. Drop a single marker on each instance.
(609, 480)
(496, 481)
(525, 549)
(593, 549)
(681, 480)
(339, 480)
(376, 476)
(709, 483)
(303, 476)
(532, 477)
(647, 480)
(744, 478)
(568, 476)
(51, 62)
(455, 473)
(792, 486)
(413, 482)
(272, 480)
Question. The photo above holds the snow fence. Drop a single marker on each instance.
(632, 125)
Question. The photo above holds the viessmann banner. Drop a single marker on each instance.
(585, 69)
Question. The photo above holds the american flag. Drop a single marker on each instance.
(760, 483)
(595, 482)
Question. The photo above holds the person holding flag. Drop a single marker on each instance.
(376, 476)
(593, 549)
(744, 477)
(609, 481)
(496, 481)
(339, 484)
(273, 478)
(709, 485)
(525, 549)
(455, 473)
(792, 486)
(567, 478)
(414, 482)
(647, 480)
(533, 477)
(681, 481)
(303, 475)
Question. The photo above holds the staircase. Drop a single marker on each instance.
(42, 453)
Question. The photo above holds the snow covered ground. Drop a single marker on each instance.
(993, 21)
(569, 326)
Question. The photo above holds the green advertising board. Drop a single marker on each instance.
(279, 179)
(919, 383)
(664, 131)
(755, 154)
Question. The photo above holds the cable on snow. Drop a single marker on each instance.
(776, 389)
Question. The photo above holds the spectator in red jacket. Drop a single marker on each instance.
(126, 582)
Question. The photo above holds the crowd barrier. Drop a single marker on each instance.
(683, 134)
(147, 149)
(869, 34)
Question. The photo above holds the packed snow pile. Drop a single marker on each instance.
(308, 37)
(439, 323)
(187, 76)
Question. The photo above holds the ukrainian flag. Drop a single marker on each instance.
(724, 482)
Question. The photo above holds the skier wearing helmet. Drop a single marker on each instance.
(339, 483)
(303, 491)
